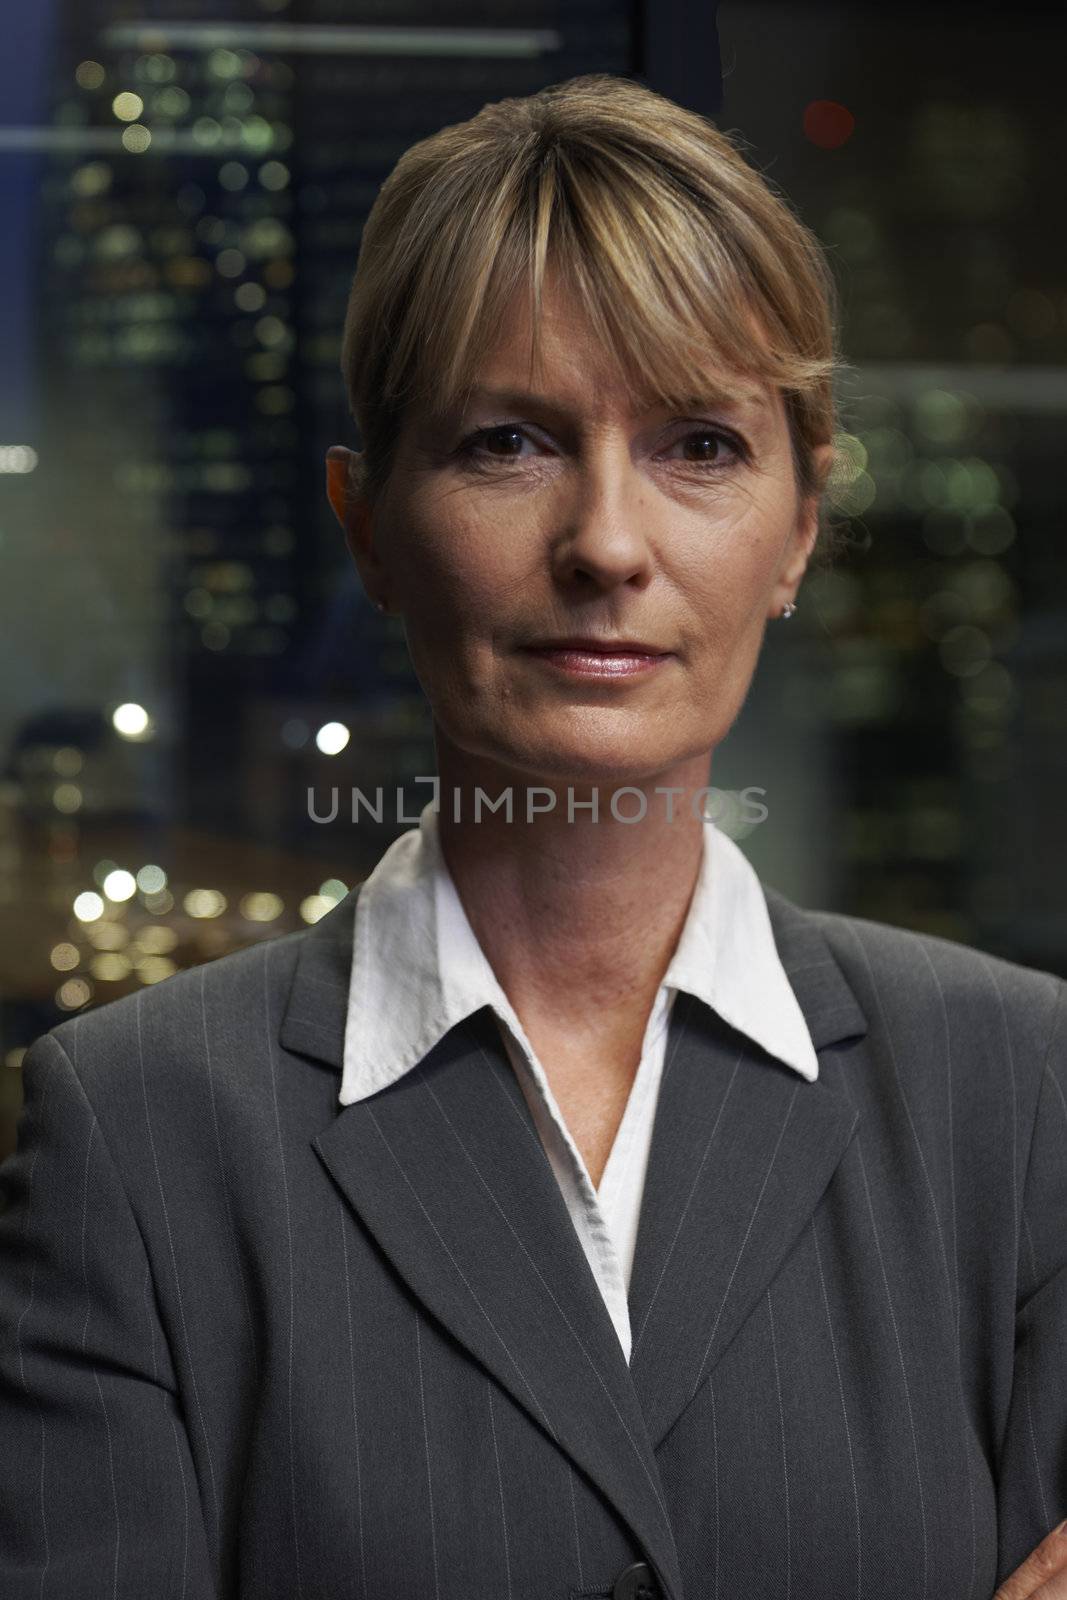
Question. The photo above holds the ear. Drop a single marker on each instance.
(805, 534)
(353, 511)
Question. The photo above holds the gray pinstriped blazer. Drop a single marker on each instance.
(254, 1345)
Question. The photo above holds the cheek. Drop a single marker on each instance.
(721, 599)
(727, 573)
(463, 589)
(431, 581)
(446, 594)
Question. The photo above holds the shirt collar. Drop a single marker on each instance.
(418, 969)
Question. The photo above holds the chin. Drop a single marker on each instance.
(610, 763)
(585, 750)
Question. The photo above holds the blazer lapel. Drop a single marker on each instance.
(742, 1149)
(447, 1171)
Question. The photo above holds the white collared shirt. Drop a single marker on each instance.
(418, 969)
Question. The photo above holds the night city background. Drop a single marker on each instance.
(186, 650)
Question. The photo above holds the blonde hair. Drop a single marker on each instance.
(650, 215)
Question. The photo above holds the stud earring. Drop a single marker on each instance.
(787, 610)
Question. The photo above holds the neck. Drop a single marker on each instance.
(578, 918)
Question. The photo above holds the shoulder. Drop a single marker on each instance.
(932, 990)
(160, 1027)
(959, 1037)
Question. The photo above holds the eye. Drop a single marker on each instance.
(707, 448)
(502, 442)
(712, 449)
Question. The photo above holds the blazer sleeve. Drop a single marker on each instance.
(98, 1490)
(1032, 1478)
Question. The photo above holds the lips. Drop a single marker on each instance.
(599, 659)
(606, 647)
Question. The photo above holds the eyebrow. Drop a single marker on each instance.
(750, 401)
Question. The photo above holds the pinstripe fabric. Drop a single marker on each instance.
(253, 1344)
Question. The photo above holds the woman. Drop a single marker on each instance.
(566, 1214)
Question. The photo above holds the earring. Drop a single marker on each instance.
(379, 605)
(787, 610)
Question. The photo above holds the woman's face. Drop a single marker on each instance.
(565, 513)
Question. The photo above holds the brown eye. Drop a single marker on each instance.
(709, 447)
(502, 443)
(703, 446)
(505, 437)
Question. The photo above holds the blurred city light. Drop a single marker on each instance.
(120, 885)
(332, 738)
(131, 721)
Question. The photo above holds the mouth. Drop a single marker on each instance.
(598, 658)
(593, 646)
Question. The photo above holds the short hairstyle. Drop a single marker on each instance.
(646, 211)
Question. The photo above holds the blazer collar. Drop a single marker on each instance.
(316, 1012)
(467, 1208)
(418, 969)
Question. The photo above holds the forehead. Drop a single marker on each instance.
(569, 366)
(545, 396)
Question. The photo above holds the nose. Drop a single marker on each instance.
(602, 537)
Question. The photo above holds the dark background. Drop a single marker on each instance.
(183, 186)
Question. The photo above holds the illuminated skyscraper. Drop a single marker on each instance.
(202, 217)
